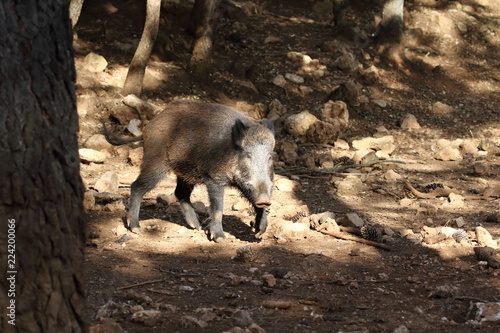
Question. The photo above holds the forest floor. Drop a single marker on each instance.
(447, 76)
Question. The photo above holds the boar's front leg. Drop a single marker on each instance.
(260, 222)
(216, 195)
(183, 194)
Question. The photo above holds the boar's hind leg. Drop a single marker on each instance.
(260, 222)
(216, 195)
(150, 175)
(183, 194)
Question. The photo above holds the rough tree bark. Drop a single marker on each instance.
(200, 24)
(75, 8)
(135, 75)
(41, 189)
(390, 29)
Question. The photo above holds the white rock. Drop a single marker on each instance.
(95, 63)
(107, 183)
(91, 155)
(448, 154)
(484, 238)
(294, 78)
(409, 122)
(441, 108)
(385, 143)
(133, 127)
(351, 185)
(279, 81)
(276, 110)
(298, 124)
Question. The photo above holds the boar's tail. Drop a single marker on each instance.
(116, 141)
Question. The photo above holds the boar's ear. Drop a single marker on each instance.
(269, 124)
(239, 130)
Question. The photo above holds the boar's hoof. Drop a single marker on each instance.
(259, 235)
(136, 230)
(220, 240)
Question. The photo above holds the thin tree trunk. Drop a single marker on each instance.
(75, 8)
(201, 17)
(390, 29)
(135, 76)
(42, 228)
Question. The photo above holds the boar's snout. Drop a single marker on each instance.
(263, 201)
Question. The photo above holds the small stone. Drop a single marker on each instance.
(322, 132)
(120, 230)
(352, 220)
(385, 143)
(114, 206)
(294, 78)
(291, 230)
(88, 200)
(107, 183)
(441, 108)
(456, 200)
(276, 110)
(462, 27)
(392, 175)
(346, 62)
(254, 328)
(288, 152)
(135, 156)
(484, 238)
(305, 90)
(380, 102)
(133, 127)
(409, 122)
(97, 142)
(481, 169)
(190, 321)
(490, 147)
(341, 144)
(279, 81)
(269, 280)
(91, 155)
(401, 329)
(272, 39)
(448, 154)
(469, 147)
(351, 185)
(245, 254)
(459, 222)
(95, 63)
(335, 113)
(242, 318)
(286, 185)
(107, 326)
(298, 124)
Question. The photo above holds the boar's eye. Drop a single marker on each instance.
(247, 155)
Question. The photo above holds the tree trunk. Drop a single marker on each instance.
(135, 76)
(75, 8)
(42, 227)
(390, 29)
(201, 17)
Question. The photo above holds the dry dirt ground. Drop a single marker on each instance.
(323, 284)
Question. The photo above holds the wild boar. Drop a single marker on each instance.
(209, 144)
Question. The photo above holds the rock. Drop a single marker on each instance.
(114, 206)
(401, 329)
(88, 200)
(347, 63)
(459, 222)
(107, 326)
(133, 127)
(351, 185)
(276, 110)
(269, 280)
(287, 185)
(409, 122)
(107, 183)
(97, 142)
(441, 108)
(111, 310)
(305, 90)
(271, 304)
(288, 152)
(341, 144)
(272, 39)
(245, 254)
(351, 220)
(326, 161)
(488, 312)
(91, 155)
(484, 238)
(254, 328)
(385, 143)
(279, 81)
(298, 124)
(405, 202)
(200, 208)
(190, 321)
(348, 91)
(380, 102)
(448, 154)
(468, 147)
(255, 111)
(291, 230)
(294, 78)
(456, 200)
(481, 169)
(242, 318)
(322, 132)
(392, 175)
(335, 113)
(95, 63)
(490, 147)
(135, 156)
